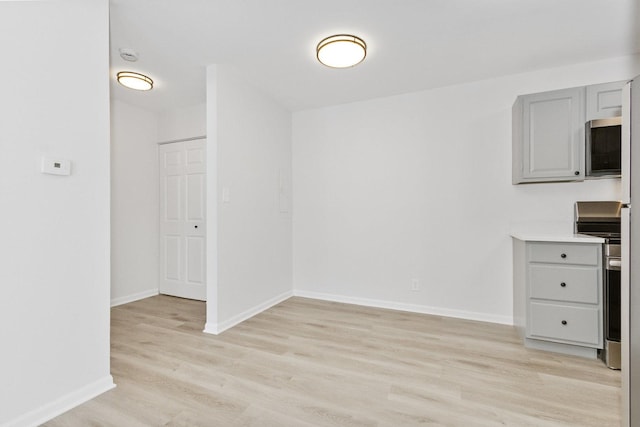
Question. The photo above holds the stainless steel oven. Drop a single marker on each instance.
(602, 219)
(611, 352)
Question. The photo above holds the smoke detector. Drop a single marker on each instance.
(128, 54)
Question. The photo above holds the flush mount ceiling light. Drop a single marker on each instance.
(135, 81)
(341, 51)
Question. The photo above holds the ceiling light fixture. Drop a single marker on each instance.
(341, 51)
(135, 81)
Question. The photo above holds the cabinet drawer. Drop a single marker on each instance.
(579, 325)
(565, 253)
(565, 283)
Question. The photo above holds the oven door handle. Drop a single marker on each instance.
(614, 264)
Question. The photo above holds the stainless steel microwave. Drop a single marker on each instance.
(603, 147)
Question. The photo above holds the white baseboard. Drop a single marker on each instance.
(218, 328)
(413, 308)
(62, 404)
(134, 297)
(211, 328)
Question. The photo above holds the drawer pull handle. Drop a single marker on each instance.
(564, 322)
(564, 285)
(563, 255)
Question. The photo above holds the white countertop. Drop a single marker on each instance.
(550, 232)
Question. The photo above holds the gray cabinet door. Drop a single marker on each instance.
(549, 136)
(604, 100)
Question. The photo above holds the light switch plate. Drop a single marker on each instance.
(56, 166)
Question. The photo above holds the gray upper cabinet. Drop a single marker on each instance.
(604, 100)
(548, 136)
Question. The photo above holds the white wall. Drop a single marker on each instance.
(249, 144)
(134, 203)
(182, 123)
(54, 308)
(418, 186)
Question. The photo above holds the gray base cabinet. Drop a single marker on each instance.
(558, 295)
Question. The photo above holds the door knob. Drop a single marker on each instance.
(195, 226)
(564, 322)
(563, 284)
(563, 255)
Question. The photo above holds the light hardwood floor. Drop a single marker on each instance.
(314, 363)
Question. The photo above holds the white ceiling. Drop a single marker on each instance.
(413, 44)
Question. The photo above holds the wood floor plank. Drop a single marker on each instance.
(315, 363)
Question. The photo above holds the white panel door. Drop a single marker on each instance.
(182, 219)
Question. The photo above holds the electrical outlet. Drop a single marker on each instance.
(415, 285)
